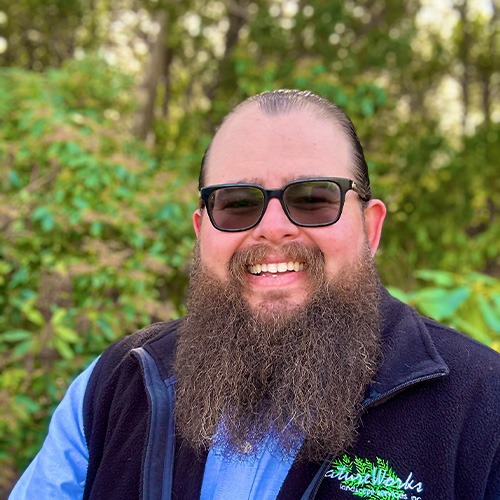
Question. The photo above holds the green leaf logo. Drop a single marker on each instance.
(372, 480)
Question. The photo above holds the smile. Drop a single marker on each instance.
(275, 267)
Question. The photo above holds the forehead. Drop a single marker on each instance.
(254, 146)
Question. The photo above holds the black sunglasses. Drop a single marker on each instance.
(306, 202)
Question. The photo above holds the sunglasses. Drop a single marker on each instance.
(306, 202)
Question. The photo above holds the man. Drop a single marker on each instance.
(295, 374)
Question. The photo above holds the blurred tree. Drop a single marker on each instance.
(43, 34)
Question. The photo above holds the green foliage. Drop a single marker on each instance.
(94, 239)
(442, 216)
(468, 302)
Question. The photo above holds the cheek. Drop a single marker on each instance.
(216, 250)
(342, 246)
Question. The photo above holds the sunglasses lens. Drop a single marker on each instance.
(313, 203)
(236, 208)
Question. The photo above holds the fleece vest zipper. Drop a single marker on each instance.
(157, 474)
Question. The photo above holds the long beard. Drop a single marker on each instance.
(298, 374)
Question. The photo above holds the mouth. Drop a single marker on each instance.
(275, 268)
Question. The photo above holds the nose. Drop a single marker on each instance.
(275, 226)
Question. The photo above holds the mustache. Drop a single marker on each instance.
(312, 257)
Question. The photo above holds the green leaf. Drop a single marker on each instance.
(63, 349)
(15, 335)
(96, 228)
(301, 82)
(367, 107)
(318, 69)
(20, 276)
(440, 278)
(398, 294)
(21, 349)
(473, 330)
(14, 179)
(439, 303)
(35, 316)
(45, 217)
(491, 316)
(58, 316)
(106, 329)
(5, 267)
(240, 67)
(66, 334)
(31, 405)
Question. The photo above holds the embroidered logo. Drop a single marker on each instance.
(365, 479)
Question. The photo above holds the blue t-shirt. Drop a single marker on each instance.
(59, 470)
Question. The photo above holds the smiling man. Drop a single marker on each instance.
(294, 375)
(285, 249)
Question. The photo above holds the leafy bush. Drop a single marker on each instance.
(470, 303)
(93, 243)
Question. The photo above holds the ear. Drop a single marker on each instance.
(197, 221)
(374, 220)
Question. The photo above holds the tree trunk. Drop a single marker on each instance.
(487, 76)
(169, 56)
(464, 48)
(153, 74)
(238, 16)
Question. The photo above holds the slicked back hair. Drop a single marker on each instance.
(281, 102)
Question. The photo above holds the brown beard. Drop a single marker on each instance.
(298, 374)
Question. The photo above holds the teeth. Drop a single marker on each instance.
(274, 268)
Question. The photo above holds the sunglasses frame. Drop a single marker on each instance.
(344, 184)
